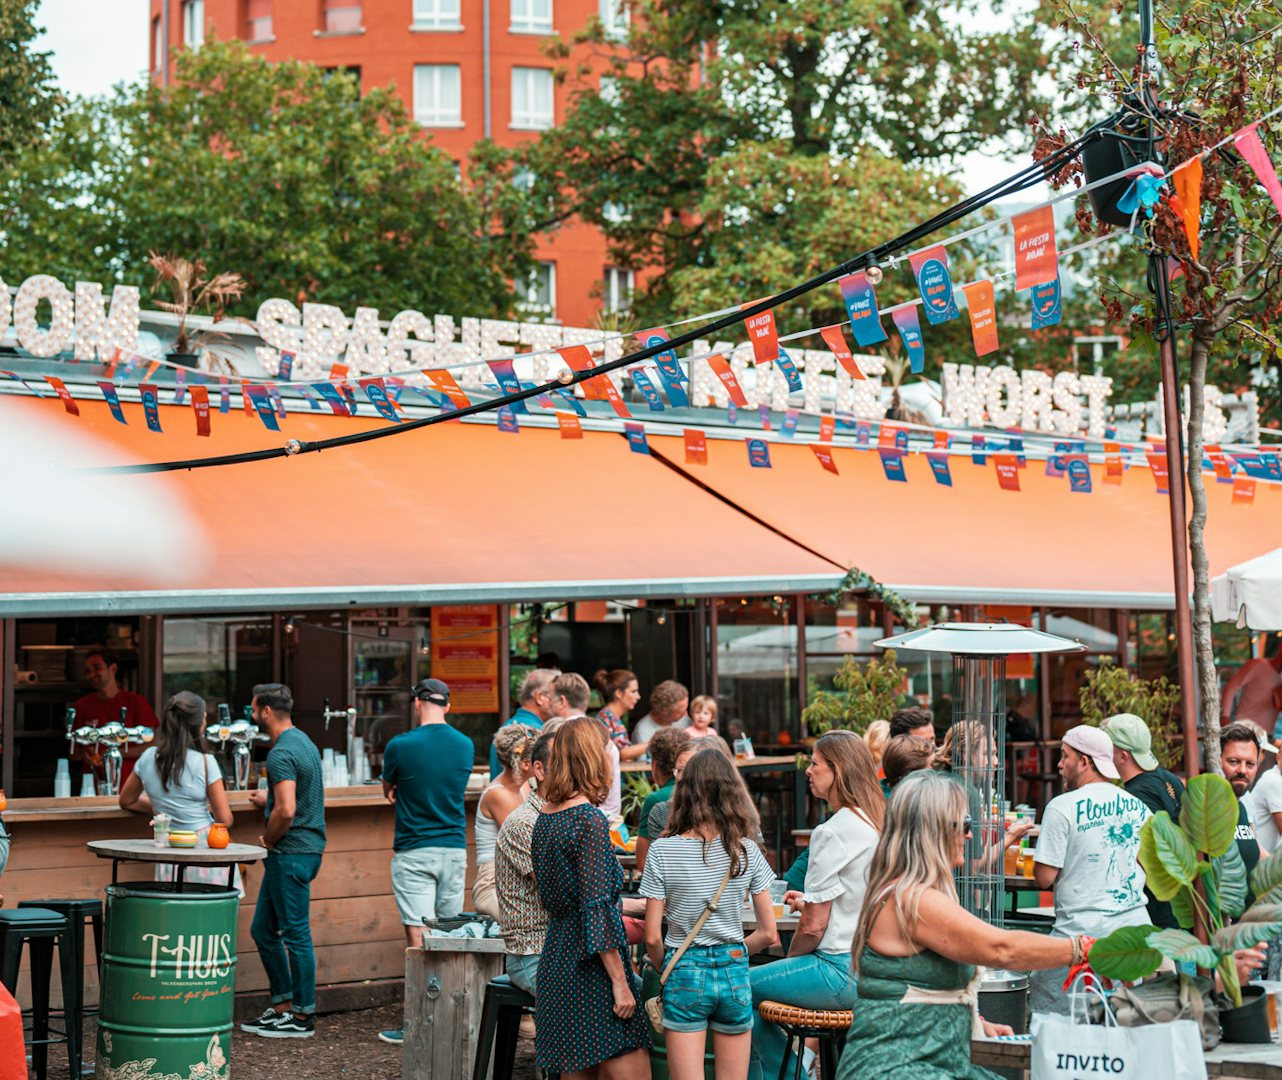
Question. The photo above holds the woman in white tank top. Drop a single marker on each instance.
(508, 791)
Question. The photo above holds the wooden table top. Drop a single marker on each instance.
(146, 851)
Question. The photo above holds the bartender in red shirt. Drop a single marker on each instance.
(102, 705)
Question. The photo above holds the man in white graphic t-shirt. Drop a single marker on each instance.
(1088, 851)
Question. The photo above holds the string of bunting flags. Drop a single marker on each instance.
(1036, 271)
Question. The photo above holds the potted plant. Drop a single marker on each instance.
(1196, 866)
(191, 293)
(869, 692)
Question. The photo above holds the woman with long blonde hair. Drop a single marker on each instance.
(915, 947)
(816, 973)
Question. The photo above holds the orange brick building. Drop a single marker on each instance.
(466, 69)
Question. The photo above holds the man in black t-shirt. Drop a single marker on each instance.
(1154, 786)
(1239, 758)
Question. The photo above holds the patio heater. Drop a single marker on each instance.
(978, 738)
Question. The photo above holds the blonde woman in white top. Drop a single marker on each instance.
(509, 790)
(816, 973)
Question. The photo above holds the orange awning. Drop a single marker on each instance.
(453, 513)
(975, 541)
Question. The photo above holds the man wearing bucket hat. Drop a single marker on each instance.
(1088, 852)
(1144, 778)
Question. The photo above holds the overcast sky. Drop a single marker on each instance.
(98, 43)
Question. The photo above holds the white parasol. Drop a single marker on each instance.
(1250, 593)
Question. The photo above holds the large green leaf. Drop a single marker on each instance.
(1209, 814)
(1180, 946)
(1126, 954)
(1182, 905)
(1266, 878)
(1168, 858)
(1230, 878)
(1229, 980)
(1262, 922)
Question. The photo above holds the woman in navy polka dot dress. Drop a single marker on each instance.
(588, 1017)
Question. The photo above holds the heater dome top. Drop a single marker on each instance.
(980, 639)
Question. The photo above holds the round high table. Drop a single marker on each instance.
(168, 964)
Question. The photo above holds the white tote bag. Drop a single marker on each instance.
(1066, 1049)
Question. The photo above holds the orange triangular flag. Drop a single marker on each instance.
(1188, 186)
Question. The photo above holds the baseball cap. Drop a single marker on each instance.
(1129, 732)
(432, 690)
(1096, 745)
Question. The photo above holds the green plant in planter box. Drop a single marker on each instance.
(869, 692)
(1195, 865)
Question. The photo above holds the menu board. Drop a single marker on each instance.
(465, 655)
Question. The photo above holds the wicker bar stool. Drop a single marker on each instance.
(829, 1026)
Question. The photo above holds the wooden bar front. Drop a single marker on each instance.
(355, 925)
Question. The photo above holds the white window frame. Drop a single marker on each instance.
(612, 300)
(193, 17)
(437, 15)
(527, 18)
(525, 82)
(529, 301)
(615, 17)
(158, 43)
(252, 33)
(437, 116)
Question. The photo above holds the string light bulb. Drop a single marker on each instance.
(873, 273)
(565, 376)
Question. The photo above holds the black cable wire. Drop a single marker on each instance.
(1020, 181)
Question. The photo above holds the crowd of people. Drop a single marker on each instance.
(880, 931)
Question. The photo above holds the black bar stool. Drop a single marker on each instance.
(500, 1027)
(829, 1026)
(78, 912)
(40, 929)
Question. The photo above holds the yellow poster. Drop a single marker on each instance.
(465, 655)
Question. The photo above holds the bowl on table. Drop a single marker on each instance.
(183, 838)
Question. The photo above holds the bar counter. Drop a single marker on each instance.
(355, 925)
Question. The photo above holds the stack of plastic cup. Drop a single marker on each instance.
(86, 786)
(62, 780)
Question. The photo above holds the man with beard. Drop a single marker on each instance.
(1239, 758)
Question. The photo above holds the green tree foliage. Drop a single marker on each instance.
(869, 692)
(281, 172)
(28, 100)
(742, 144)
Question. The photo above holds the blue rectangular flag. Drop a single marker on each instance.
(939, 466)
(508, 382)
(224, 394)
(977, 448)
(670, 371)
(543, 400)
(567, 395)
(285, 371)
(861, 309)
(763, 416)
(863, 433)
(652, 396)
(263, 406)
(1047, 308)
(349, 396)
(113, 401)
(337, 404)
(636, 438)
(1079, 474)
(508, 421)
(180, 386)
(909, 327)
(758, 453)
(377, 394)
(150, 398)
(732, 413)
(892, 463)
(789, 426)
(278, 402)
(310, 395)
(935, 285)
(785, 363)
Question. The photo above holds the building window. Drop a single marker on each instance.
(532, 98)
(258, 21)
(437, 98)
(532, 16)
(436, 14)
(193, 14)
(539, 294)
(342, 17)
(354, 70)
(618, 289)
(614, 18)
(157, 44)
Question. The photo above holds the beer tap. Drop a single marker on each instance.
(110, 737)
(242, 734)
(350, 715)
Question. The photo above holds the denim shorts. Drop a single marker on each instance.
(428, 884)
(709, 988)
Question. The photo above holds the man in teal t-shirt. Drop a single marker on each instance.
(425, 774)
(294, 836)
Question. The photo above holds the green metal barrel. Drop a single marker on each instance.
(168, 982)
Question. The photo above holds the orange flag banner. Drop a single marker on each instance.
(696, 447)
(721, 366)
(983, 316)
(1243, 490)
(824, 456)
(68, 402)
(200, 406)
(835, 339)
(1036, 260)
(763, 335)
(827, 425)
(1188, 186)
(1007, 466)
(445, 383)
(1112, 463)
(569, 425)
